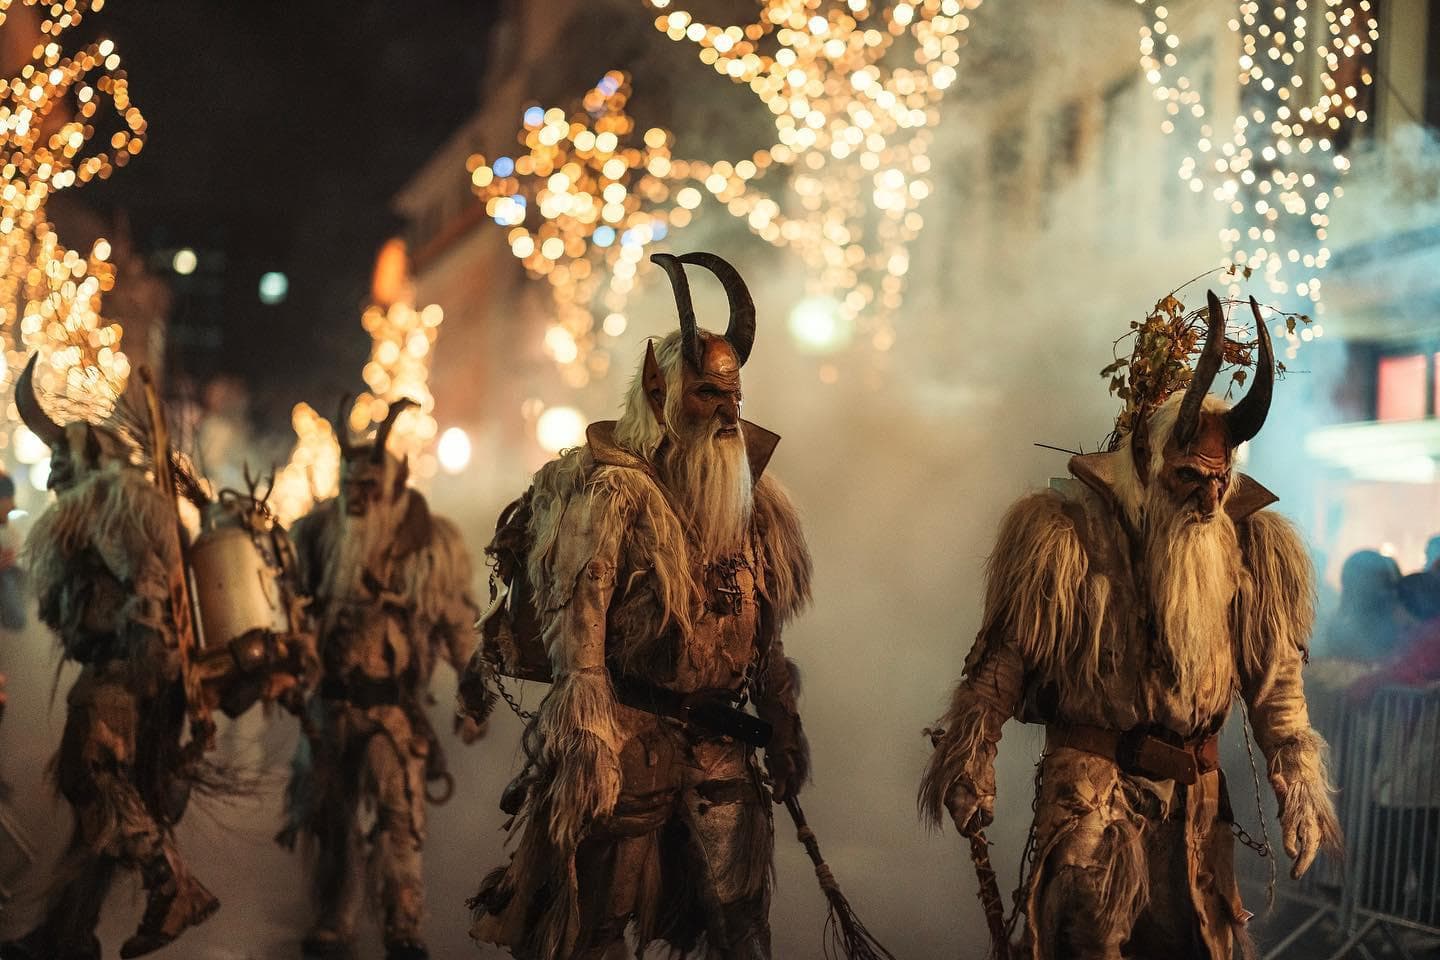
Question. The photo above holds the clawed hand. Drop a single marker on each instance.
(971, 813)
(1302, 837)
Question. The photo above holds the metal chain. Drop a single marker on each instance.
(1263, 848)
(510, 701)
(1028, 856)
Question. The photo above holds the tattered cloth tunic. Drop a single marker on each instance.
(369, 746)
(101, 558)
(1132, 848)
(632, 815)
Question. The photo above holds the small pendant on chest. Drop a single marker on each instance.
(725, 593)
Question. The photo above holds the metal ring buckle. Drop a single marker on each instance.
(449, 789)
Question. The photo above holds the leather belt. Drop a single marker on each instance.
(1152, 752)
(361, 691)
(707, 713)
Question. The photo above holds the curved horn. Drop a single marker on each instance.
(689, 334)
(342, 426)
(383, 434)
(741, 330)
(1205, 369)
(1245, 419)
(31, 413)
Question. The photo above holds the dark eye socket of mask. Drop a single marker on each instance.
(1189, 474)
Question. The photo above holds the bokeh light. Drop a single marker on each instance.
(1305, 75)
(819, 325)
(29, 449)
(580, 204)
(453, 450)
(560, 428)
(50, 294)
(274, 287)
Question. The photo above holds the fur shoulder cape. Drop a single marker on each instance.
(1054, 583)
(597, 500)
(118, 515)
(432, 568)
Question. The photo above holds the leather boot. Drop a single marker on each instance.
(39, 945)
(406, 950)
(326, 945)
(176, 902)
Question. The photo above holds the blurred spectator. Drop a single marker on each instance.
(1432, 553)
(1401, 868)
(1417, 661)
(12, 586)
(1366, 626)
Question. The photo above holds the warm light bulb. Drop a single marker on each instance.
(453, 450)
(560, 428)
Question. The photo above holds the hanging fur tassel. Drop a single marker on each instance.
(845, 936)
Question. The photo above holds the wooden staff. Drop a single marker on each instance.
(846, 935)
(202, 724)
(989, 894)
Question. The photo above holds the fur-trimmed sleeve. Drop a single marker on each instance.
(1274, 614)
(787, 592)
(787, 557)
(578, 556)
(122, 519)
(439, 579)
(1035, 597)
(1038, 594)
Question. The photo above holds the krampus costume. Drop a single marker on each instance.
(101, 558)
(662, 563)
(391, 590)
(1124, 611)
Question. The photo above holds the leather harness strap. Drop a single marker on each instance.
(1158, 755)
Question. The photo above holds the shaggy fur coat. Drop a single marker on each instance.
(616, 589)
(1065, 618)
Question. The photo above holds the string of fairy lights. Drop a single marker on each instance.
(853, 88)
(588, 192)
(1304, 74)
(51, 295)
(580, 203)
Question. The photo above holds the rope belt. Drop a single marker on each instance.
(1153, 752)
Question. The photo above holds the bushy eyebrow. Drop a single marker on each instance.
(1204, 471)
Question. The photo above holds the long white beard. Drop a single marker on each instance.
(709, 477)
(360, 545)
(1193, 570)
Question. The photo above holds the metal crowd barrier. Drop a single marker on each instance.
(1385, 760)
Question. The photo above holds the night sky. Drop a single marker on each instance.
(278, 132)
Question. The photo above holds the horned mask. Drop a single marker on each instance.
(710, 382)
(1198, 453)
(1194, 466)
(369, 474)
